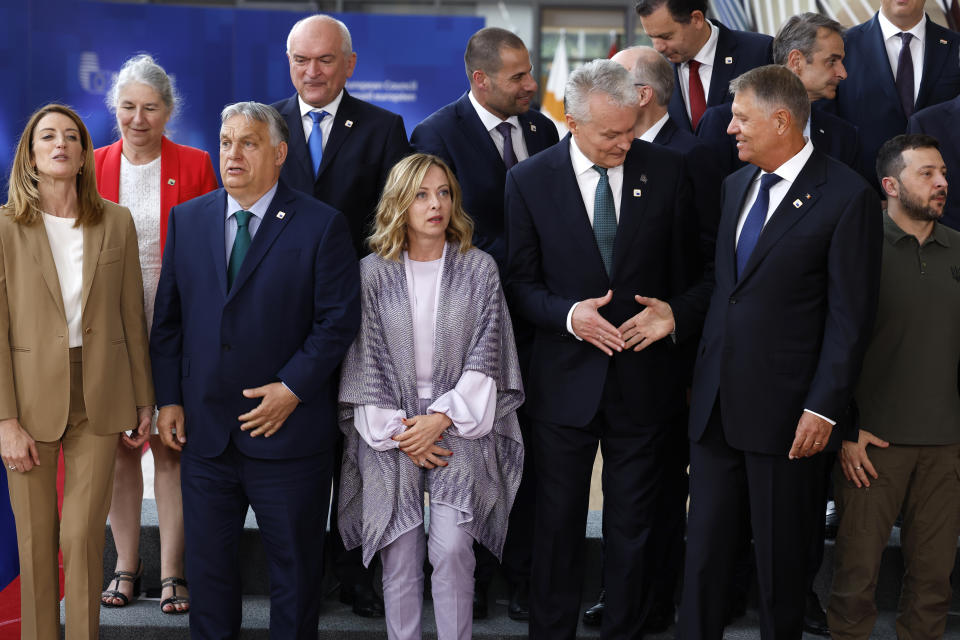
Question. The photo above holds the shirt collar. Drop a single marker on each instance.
(582, 164)
(489, 120)
(790, 169)
(889, 30)
(709, 50)
(330, 108)
(259, 207)
(652, 132)
(894, 234)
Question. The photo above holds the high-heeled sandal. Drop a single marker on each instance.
(174, 600)
(118, 577)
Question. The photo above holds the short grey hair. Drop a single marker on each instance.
(143, 68)
(279, 131)
(800, 32)
(598, 76)
(654, 71)
(345, 39)
(776, 87)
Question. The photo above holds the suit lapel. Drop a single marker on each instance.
(736, 188)
(92, 243)
(666, 133)
(676, 108)
(568, 202)
(35, 236)
(632, 202)
(935, 51)
(343, 124)
(722, 71)
(214, 224)
(169, 177)
(875, 50)
(476, 134)
(800, 199)
(534, 139)
(299, 154)
(270, 228)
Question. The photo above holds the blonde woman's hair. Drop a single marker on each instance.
(23, 196)
(389, 237)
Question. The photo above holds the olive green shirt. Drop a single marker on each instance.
(908, 391)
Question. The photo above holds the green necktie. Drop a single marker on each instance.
(240, 245)
(604, 219)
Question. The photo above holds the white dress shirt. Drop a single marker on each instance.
(490, 123)
(705, 57)
(788, 173)
(893, 43)
(326, 125)
(588, 179)
(650, 134)
(259, 209)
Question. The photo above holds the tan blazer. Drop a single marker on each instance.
(34, 344)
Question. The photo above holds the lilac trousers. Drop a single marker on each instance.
(451, 555)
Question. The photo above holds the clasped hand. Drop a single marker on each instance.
(419, 440)
(639, 332)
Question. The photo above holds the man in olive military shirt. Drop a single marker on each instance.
(904, 457)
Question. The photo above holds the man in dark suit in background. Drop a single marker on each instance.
(341, 150)
(881, 94)
(797, 270)
(469, 136)
(253, 386)
(942, 121)
(680, 31)
(810, 45)
(593, 225)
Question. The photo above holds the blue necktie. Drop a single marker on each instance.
(509, 157)
(756, 218)
(604, 219)
(240, 245)
(904, 80)
(316, 140)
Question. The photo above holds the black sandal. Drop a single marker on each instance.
(174, 600)
(118, 577)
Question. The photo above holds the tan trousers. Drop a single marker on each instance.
(88, 483)
(923, 483)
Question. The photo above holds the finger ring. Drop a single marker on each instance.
(12, 467)
(858, 468)
(817, 443)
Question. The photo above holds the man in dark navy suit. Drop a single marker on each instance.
(599, 230)
(258, 301)
(810, 45)
(680, 31)
(797, 270)
(341, 148)
(468, 133)
(881, 95)
(942, 121)
(469, 136)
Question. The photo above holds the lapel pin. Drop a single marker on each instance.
(942, 41)
(798, 203)
(728, 60)
(280, 215)
(637, 193)
(171, 182)
(822, 131)
(533, 127)
(643, 178)
(348, 123)
(809, 196)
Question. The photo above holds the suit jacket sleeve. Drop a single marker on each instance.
(166, 338)
(526, 289)
(336, 318)
(426, 139)
(134, 323)
(396, 148)
(693, 267)
(853, 284)
(8, 395)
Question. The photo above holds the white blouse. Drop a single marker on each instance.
(471, 404)
(66, 244)
(140, 192)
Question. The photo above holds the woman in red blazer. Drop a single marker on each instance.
(147, 173)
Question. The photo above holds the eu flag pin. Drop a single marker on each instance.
(171, 182)
(280, 215)
(637, 193)
(728, 60)
(798, 203)
(348, 123)
(533, 127)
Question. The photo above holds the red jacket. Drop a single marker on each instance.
(185, 173)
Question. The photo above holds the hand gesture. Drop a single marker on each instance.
(648, 326)
(432, 458)
(590, 326)
(277, 405)
(813, 433)
(172, 426)
(17, 448)
(855, 462)
(422, 432)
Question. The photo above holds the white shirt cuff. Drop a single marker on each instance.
(378, 426)
(570, 322)
(832, 422)
(471, 405)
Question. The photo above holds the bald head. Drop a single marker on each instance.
(319, 24)
(648, 69)
(321, 58)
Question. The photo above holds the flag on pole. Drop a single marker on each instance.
(9, 562)
(614, 44)
(556, 81)
(733, 14)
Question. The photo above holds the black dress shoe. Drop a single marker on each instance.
(363, 599)
(519, 607)
(658, 619)
(832, 521)
(480, 609)
(593, 617)
(814, 617)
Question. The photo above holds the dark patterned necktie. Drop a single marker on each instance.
(240, 245)
(604, 219)
(905, 74)
(509, 157)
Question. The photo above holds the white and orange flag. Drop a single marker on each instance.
(556, 81)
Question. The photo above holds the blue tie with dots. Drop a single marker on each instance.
(756, 218)
(316, 141)
(604, 219)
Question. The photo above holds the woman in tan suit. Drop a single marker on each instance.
(74, 365)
